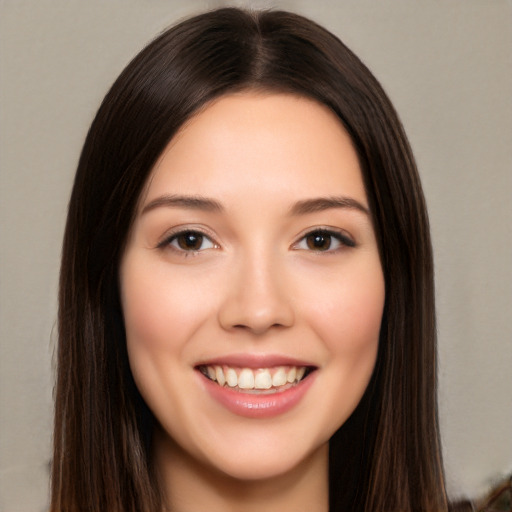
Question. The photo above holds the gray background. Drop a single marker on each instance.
(447, 66)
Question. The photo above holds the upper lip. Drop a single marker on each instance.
(254, 361)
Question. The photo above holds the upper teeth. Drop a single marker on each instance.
(246, 378)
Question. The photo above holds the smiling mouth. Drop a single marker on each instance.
(261, 380)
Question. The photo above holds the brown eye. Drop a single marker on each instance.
(189, 241)
(319, 241)
(322, 240)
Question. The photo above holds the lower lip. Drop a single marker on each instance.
(258, 406)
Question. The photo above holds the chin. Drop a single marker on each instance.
(262, 465)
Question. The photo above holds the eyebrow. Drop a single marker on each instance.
(188, 202)
(211, 205)
(325, 203)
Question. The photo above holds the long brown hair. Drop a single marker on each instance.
(387, 456)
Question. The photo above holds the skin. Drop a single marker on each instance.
(254, 286)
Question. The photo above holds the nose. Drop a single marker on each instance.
(257, 298)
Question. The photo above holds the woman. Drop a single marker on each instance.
(246, 299)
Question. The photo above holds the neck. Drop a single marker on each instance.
(190, 485)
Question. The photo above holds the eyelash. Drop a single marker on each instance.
(342, 239)
(174, 237)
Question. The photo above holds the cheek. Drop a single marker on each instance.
(161, 313)
(348, 309)
(347, 316)
(160, 306)
(349, 324)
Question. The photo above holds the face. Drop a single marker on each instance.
(252, 289)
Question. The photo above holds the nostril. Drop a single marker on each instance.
(258, 329)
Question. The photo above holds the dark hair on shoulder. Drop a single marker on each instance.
(387, 456)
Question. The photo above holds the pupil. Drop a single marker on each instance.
(190, 241)
(319, 242)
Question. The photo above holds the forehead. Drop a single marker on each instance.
(261, 142)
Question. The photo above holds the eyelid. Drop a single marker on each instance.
(182, 229)
(344, 238)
